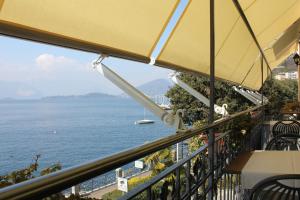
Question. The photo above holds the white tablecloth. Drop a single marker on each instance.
(263, 164)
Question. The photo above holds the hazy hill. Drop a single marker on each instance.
(85, 96)
(287, 65)
(18, 90)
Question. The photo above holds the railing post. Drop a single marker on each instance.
(177, 184)
(211, 135)
(188, 178)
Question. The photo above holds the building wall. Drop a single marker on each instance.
(286, 75)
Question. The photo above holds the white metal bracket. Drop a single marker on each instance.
(218, 109)
(180, 126)
(169, 118)
(254, 97)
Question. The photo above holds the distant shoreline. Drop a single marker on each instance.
(59, 97)
(153, 88)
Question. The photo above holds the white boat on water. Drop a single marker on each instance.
(144, 121)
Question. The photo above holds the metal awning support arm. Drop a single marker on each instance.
(250, 30)
(168, 118)
(247, 96)
(218, 109)
(254, 97)
(259, 96)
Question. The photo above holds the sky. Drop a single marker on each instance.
(29, 69)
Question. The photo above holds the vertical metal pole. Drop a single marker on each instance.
(298, 51)
(262, 79)
(188, 178)
(179, 151)
(211, 135)
(149, 193)
(263, 133)
(177, 184)
(298, 67)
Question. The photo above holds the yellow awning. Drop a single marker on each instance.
(122, 28)
(131, 29)
(237, 56)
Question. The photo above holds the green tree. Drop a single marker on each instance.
(159, 160)
(279, 92)
(21, 175)
(30, 172)
(196, 113)
(196, 110)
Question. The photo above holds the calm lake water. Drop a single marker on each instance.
(71, 130)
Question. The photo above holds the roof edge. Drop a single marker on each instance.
(36, 35)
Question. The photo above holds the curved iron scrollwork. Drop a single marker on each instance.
(277, 188)
(286, 127)
(289, 142)
(188, 178)
(165, 191)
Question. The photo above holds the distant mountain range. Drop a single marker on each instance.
(287, 65)
(18, 90)
(85, 96)
(21, 91)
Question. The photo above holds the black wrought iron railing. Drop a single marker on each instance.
(184, 179)
(188, 178)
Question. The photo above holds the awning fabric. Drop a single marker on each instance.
(126, 28)
(132, 28)
(237, 56)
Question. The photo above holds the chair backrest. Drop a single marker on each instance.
(284, 142)
(277, 188)
(286, 127)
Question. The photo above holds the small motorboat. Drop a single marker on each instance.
(144, 121)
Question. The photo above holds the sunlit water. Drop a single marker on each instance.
(71, 131)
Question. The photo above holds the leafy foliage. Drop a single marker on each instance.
(196, 110)
(133, 182)
(196, 113)
(20, 175)
(30, 172)
(280, 92)
(53, 168)
(158, 161)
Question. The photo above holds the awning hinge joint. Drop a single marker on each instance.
(99, 60)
